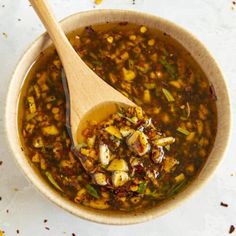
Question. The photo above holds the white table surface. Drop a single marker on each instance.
(23, 208)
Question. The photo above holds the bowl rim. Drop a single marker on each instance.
(94, 215)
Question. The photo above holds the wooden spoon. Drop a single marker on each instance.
(90, 97)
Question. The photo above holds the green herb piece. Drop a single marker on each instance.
(167, 147)
(92, 191)
(97, 63)
(169, 68)
(52, 181)
(168, 95)
(183, 131)
(80, 145)
(144, 68)
(150, 85)
(188, 110)
(43, 149)
(175, 188)
(131, 64)
(91, 54)
(30, 116)
(156, 195)
(49, 146)
(63, 135)
(183, 118)
(127, 118)
(137, 101)
(142, 187)
(50, 99)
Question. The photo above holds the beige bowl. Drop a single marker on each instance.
(201, 55)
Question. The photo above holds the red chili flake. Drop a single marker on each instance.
(47, 228)
(1, 163)
(45, 221)
(123, 23)
(231, 229)
(213, 93)
(89, 30)
(224, 204)
(17, 231)
(139, 169)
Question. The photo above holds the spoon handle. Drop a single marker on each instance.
(62, 44)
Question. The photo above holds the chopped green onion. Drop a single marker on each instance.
(92, 191)
(63, 135)
(52, 181)
(176, 188)
(169, 68)
(97, 63)
(91, 54)
(80, 145)
(142, 187)
(149, 85)
(131, 64)
(167, 147)
(188, 110)
(183, 118)
(127, 118)
(30, 116)
(168, 95)
(137, 101)
(183, 131)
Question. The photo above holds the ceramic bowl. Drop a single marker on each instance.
(197, 50)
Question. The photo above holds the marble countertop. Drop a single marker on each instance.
(23, 208)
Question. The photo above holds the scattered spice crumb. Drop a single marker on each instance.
(1, 163)
(45, 221)
(231, 229)
(47, 228)
(4, 34)
(133, 2)
(98, 2)
(234, 2)
(17, 231)
(224, 204)
(2, 233)
(231, 174)
(7, 211)
(16, 189)
(3, 6)
(19, 19)
(73, 234)
(0, 198)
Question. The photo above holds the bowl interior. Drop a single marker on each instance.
(200, 54)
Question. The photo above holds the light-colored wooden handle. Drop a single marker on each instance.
(86, 89)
